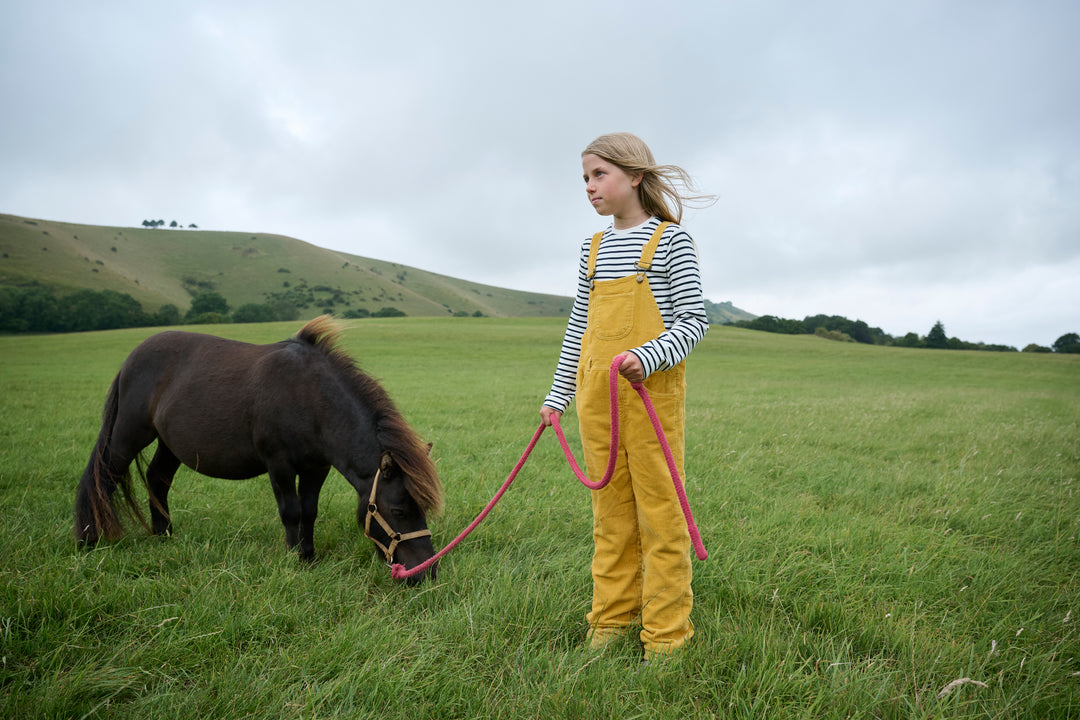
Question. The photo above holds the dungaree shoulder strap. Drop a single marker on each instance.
(644, 263)
(650, 247)
(593, 250)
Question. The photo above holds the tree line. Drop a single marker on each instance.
(837, 327)
(840, 327)
(37, 308)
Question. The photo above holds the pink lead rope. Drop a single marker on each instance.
(398, 571)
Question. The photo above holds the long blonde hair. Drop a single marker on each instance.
(664, 189)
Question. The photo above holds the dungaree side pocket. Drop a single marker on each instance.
(667, 391)
(667, 382)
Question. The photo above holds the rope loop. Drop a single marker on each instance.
(398, 571)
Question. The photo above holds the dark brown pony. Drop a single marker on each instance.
(233, 410)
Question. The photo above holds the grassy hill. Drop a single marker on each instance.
(159, 266)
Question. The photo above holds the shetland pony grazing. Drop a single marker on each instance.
(292, 409)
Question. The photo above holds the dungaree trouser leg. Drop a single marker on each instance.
(641, 558)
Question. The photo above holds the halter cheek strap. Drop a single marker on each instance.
(395, 537)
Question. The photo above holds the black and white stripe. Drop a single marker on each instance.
(675, 280)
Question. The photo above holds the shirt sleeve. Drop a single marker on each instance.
(689, 321)
(564, 385)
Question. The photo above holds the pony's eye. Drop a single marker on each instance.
(397, 514)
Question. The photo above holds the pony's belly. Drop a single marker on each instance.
(224, 468)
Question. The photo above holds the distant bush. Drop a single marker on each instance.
(167, 314)
(911, 340)
(857, 330)
(194, 285)
(833, 335)
(205, 303)
(252, 313)
(284, 310)
(207, 318)
(388, 312)
(773, 324)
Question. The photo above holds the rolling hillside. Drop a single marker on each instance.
(160, 266)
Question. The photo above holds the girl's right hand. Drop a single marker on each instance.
(547, 413)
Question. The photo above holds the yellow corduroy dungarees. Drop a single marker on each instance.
(641, 560)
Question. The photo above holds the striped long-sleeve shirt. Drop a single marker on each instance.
(675, 280)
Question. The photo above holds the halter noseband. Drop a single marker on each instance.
(373, 512)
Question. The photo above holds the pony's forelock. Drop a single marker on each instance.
(322, 332)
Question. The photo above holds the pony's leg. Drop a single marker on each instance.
(311, 483)
(284, 484)
(159, 477)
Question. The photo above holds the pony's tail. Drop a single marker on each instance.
(95, 514)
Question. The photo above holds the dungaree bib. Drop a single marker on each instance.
(641, 561)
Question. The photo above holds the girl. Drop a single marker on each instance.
(639, 293)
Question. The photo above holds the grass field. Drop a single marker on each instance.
(881, 523)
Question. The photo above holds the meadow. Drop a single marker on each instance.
(893, 533)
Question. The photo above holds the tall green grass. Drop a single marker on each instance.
(881, 522)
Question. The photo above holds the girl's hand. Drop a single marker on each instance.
(631, 368)
(547, 413)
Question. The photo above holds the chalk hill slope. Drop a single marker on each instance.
(168, 266)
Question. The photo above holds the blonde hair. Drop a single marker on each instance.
(664, 189)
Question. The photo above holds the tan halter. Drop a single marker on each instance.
(373, 512)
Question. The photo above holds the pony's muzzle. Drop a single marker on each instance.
(430, 574)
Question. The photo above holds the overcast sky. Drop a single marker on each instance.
(895, 162)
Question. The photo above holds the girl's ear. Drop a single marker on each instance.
(636, 179)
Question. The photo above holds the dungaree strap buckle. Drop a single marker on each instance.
(645, 261)
(642, 265)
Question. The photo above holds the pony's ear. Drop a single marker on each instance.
(386, 463)
(429, 446)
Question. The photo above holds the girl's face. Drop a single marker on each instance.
(612, 191)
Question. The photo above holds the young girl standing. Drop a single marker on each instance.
(639, 293)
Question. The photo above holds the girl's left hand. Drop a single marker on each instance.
(631, 368)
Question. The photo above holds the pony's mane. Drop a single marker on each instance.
(409, 451)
